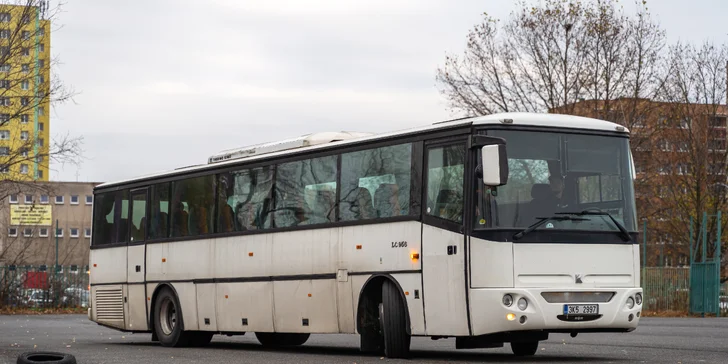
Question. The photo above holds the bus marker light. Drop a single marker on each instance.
(511, 316)
(415, 256)
(358, 247)
(94, 265)
(250, 254)
(406, 293)
(309, 295)
(226, 296)
(164, 260)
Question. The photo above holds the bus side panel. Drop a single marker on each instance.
(636, 263)
(245, 307)
(187, 296)
(412, 286)
(381, 247)
(491, 264)
(206, 315)
(108, 265)
(305, 306)
(155, 268)
(345, 304)
(244, 256)
(305, 252)
(136, 318)
(191, 259)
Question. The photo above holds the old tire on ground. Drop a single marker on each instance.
(393, 322)
(276, 339)
(526, 348)
(46, 357)
(168, 325)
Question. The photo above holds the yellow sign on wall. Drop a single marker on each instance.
(31, 215)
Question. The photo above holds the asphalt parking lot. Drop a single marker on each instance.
(669, 340)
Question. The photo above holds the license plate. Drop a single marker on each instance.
(581, 309)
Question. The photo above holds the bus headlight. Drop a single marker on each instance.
(630, 303)
(522, 304)
(508, 300)
(638, 298)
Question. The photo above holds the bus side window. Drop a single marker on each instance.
(159, 211)
(103, 223)
(445, 177)
(375, 183)
(298, 201)
(122, 218)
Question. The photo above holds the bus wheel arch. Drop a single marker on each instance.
(367, 320)
(152, 307)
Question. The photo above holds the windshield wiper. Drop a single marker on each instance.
(623, 233)
(543, 220)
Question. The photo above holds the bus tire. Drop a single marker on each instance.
(200, 338)
(393, 322)
(526, 348)
(168, 324)
(278, 339)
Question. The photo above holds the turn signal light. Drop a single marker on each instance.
(511, 316)
(415, 256)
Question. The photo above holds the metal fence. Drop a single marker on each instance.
(667, 289)
(44, 286)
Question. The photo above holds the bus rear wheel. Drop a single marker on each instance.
(168, 325)
(527, 348)
(277, 339)
(393, 322)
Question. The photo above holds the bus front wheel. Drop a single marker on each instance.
(393, 322)
(527, 348)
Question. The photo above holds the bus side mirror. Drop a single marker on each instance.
(495, 165)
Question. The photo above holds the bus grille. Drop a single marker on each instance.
(109, 305)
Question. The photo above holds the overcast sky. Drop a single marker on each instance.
(165, 83)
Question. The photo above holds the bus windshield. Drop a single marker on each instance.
(553, 173)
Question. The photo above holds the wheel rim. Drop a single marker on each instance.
(168, 316)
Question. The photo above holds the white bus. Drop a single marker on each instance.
(497, 229)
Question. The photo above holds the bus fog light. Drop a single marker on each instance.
(522, 304)
(508, 300)
(523, 319)
(638, 298)
(630, 303)
(510, 317)
(631, 317)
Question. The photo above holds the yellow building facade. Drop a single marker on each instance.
(25, 93)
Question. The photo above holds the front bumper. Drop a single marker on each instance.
(488, 314)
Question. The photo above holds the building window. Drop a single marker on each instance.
(43, 233)
(41, 63)
(5, 33)
(59, 232)
(40, 173)
(13, 198)
(4, 118)
(25, 34)
(41, 127)
(43, 198)
(39, 159)
(4, 151)
(24, 84)
(24, 152)
(87, 232)
(27, 232)
(74, 199)
(24, 118)
(89, 199)
(5, 68)
(5, 101)
(5, 17)
(24, 101)
(41, 80)
(40, 142)
(41, 48)
(24, 168)
(4, 134)
(13, 232)
(4, 169)
(25, 68)
(59, 200)
(41, 111)
(28, 198)
(26, 51)
(23, 135)
(74, 232)
(5, 84)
